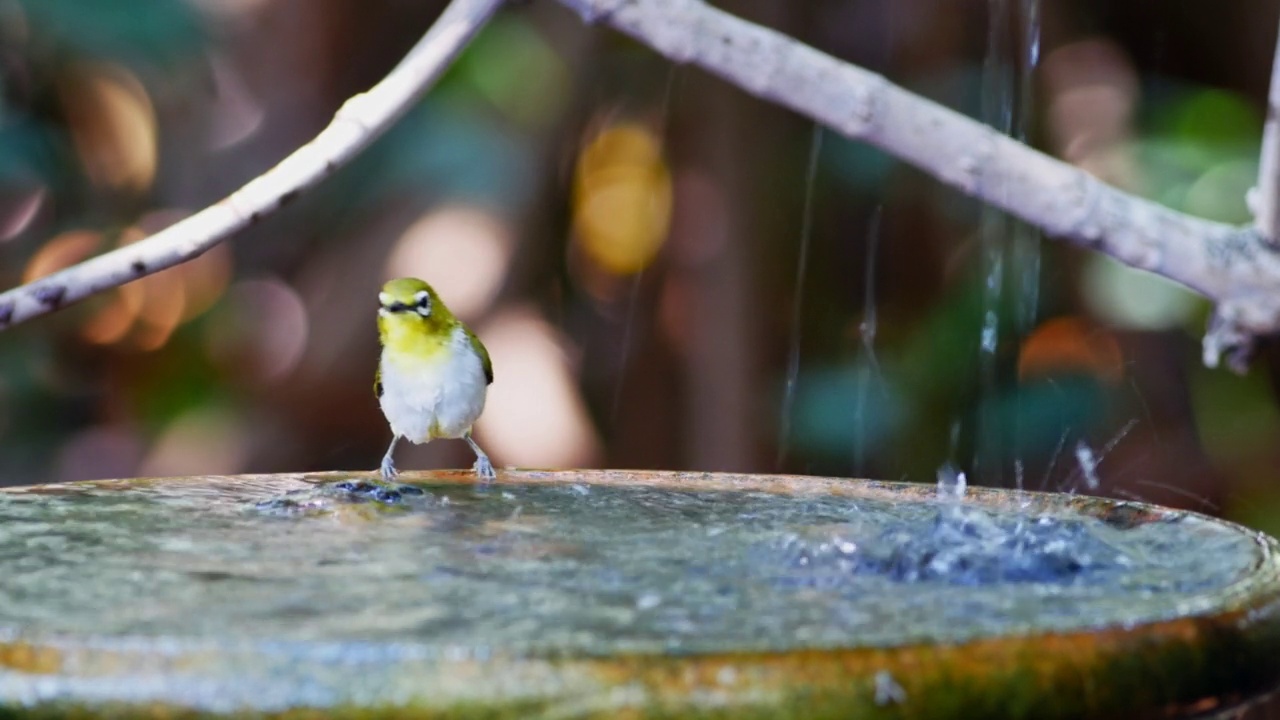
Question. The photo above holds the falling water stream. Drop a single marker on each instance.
(1009, 249)
(797, 306)
(869, 371)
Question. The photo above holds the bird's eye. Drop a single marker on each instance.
(423, 306)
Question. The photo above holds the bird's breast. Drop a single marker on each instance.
(440, 395)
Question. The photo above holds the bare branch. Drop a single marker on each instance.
(1237, 267)
(356, 124)
(1265, 196)
(1231, 265)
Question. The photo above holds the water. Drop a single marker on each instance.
(797, 305)
(951, 483)
(867, 335)
(1088, 461)
(1009, 250)
(588, 568)
(633, 294)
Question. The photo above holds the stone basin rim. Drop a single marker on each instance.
(1233, 626)
(776, 483)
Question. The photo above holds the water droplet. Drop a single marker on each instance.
(1088, 464)
(951, 483)
(888, 690)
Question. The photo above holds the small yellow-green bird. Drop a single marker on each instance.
(434, 372)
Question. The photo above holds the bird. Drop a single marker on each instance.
(433, 373)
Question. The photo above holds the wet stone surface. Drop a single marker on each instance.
(555, 567)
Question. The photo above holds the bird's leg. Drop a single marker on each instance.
(389, 471)
(483, 467)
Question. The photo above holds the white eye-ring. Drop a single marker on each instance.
(423, 301)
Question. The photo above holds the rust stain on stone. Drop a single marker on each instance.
(31, 659)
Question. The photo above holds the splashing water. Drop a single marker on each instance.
(1087, 461)
(888, 690)
(1088, 464)
(968, 546)
(951, 483)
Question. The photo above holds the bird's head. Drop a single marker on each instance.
(411, 305)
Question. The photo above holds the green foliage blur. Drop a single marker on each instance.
(670, 273)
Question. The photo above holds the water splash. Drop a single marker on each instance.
(969, 546)
(1087, 461)
(1053, 459)
(802, 267)
(888, 691)
(951, 483)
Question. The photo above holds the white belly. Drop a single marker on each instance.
(431, 399)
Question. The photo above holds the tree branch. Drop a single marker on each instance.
(1266, 195)
(356, 124)
(1236, 267)
(1231, 265)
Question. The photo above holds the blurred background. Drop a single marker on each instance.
(668, 273)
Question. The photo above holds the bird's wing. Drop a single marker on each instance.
(377, 383)
(484, 356)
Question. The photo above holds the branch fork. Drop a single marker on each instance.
(1236, 267)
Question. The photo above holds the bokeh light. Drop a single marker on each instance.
(463, 251)
(62, 251)
(1093, 95)
(113, 125)
(236, 115)
(259, 330)
(1219, 194)
(1070, 345)
(102, 451)
(150, 309)
(514, 67)
(535, 415)
(207, 440)
(1134, 299)
(230, 10)
(18, 209)
(14, 27)
(622, 199)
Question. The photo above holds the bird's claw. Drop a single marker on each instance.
(380, 491)
(371, 490)
(388, 469)
(484, 469)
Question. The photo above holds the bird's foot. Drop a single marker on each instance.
(388, 469)
(484, 469)
(380, 490)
